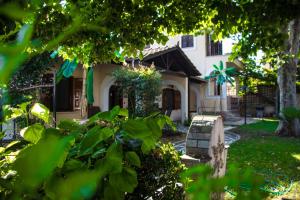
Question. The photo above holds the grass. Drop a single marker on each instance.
(266, 126)
(261, 150)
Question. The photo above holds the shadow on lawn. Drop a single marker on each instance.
(261, 150)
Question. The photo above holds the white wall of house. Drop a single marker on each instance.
(198, 55)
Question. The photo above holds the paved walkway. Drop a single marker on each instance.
(230, 138)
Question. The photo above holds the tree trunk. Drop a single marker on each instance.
(83, 96)
(287, 81)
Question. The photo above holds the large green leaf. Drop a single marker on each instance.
(230, 70)
(221, 65)
(133, 158)
(107, 115)
(123, 112)
(94, 136)
(40, 111)
(69, 125)
(125, 181)
(113, 159)
(12, 55)
(33, 133)
(152, 124)
(111, 193)
(216, 67)
(35, 163)
(76, 185)
(138, 129)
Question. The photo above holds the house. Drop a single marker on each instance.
(203, 52)
(183, 62)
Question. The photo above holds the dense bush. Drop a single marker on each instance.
(97, 160)
(142, 85)
(159, 175)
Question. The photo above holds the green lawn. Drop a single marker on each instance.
(266, 126)
(260, 149)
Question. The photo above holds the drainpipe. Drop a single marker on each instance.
(188, 103)
(245, 102)
(54, 97)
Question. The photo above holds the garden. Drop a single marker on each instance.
(130, 152)
(277, 158)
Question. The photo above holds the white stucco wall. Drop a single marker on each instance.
(197, 54)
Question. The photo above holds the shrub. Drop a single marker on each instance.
(158, 177)
(291, 113)
(97, 160)
(142, 86)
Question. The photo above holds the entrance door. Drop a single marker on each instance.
(171, 99)
(115, 97)
(168, 99)
(64, 95)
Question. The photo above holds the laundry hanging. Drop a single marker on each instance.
(89, 85)
(67, 69)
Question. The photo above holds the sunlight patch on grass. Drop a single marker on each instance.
(265, 126)
(297, 156)
(260, 149)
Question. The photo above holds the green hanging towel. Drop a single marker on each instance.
(59, 73)
(69, 70)
(89, 86)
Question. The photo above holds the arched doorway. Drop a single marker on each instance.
(171, 102)
(171, 99)
(182, 111)
(115, 97)
(194, 98)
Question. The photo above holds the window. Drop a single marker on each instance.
(214, 88)
(147, 46)
(187, 41)
(68, 93)
(213, 48)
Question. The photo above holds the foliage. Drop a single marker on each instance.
(254, 74)
(202, 185)
(159, 175)
(98, 159)
(101, 29)
(266, 152)
(222, 74)
(28, 75)
(27, 111)
(142, 86)
(258, 26)
(291, 113)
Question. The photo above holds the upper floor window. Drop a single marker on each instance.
(213, 48)
(147, 46)
(187, 41)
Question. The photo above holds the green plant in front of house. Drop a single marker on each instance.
(141, 84)
(222, 75)
(99, 159)
(159, 176)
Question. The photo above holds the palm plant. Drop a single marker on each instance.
(222, 75)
